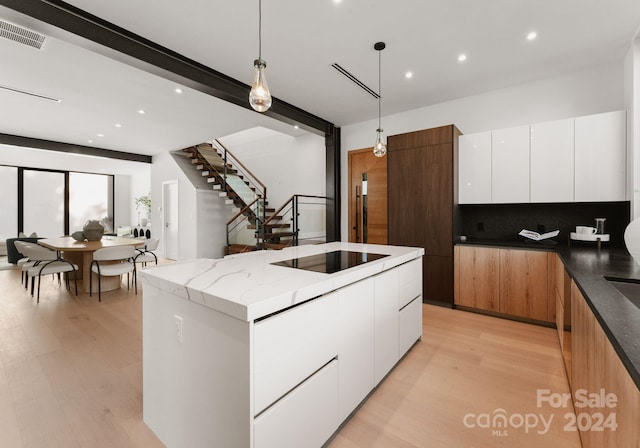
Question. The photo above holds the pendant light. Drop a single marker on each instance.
(259, 97)
(380, 148)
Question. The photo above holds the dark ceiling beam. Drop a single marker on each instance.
(153, 58)
(30, 142)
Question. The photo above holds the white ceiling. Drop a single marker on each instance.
(301, 39)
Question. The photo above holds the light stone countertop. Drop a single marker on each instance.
(247, 287)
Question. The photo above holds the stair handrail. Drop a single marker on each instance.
(277, 212)
(291, 203)
(242, 212)
(239, 165)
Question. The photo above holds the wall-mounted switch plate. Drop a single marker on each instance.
(179, 327)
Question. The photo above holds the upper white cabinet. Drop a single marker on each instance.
(474, 168)
(573, 160)
(510, 165)
(600, 145)
(552, 161)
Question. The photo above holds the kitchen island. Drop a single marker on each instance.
(274, 348)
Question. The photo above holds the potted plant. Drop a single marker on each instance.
(143, 202)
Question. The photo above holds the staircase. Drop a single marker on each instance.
(255, 225)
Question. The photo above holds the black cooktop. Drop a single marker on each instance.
(330, 262)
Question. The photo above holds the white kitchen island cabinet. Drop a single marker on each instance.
(241, 352)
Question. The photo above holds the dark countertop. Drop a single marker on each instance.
(618, 317)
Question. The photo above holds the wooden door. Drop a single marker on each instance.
(363, 161)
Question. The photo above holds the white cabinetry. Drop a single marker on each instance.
(410, 325)
(573, 160)
(474, 168)
(281, 378)
(386, 323)
(600, 145)
(510, 165)
(409, 305)
(305, 418)
(552, 161)
(291, 345)
(356, 346)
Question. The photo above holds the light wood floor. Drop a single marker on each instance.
(71, 376)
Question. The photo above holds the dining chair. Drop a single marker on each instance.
(45, 262)
(146, 254)
(112, 261)
(23, 263)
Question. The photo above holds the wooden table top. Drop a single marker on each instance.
(67, 243)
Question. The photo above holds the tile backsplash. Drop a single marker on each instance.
(504, 221)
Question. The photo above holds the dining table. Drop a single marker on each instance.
(81, 254)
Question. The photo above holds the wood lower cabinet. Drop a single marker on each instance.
(478, 277)
(507, 281)
(523, 283)
(595, 367)
(559, 304)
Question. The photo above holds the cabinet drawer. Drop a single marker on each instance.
(290, 346)
(409, 281)
(410, 325)
(306, 417)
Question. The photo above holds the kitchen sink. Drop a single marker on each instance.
(628, 287)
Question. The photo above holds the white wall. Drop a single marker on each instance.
(632, 104)
(286, 165)
(595, 90)
(201, 213)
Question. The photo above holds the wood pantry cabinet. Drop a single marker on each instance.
(512, 282)
(422, 202)
(596, 366)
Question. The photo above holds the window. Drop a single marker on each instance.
(44, 203)
(90, 198)
(8, 202)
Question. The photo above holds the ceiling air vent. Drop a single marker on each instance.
(354, 80)
(21, 35)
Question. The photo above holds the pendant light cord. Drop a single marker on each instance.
(379, 90)
(260, 30)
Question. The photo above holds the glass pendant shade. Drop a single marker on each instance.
(260, 97)
(380, 148)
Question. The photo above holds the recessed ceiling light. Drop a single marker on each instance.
(141, 111)
(408, 75)
(118, 125)
(462, 57)
(337, 2)
(90, 141)
(100, 135)
(296, 127)
(177, 90)
(532, 35)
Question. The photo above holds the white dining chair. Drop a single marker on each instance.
(23, 263)
(146, 254)
(46, 261)
(112, 261)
